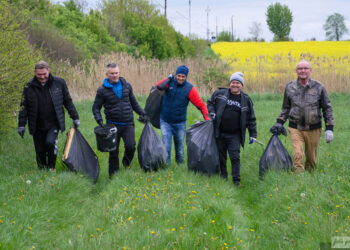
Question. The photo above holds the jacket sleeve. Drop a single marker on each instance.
(251, 120)
(327, 110)
(68, 103)
(194, 97)
(286, 105)
(211, 103)
(22, 116)
(96, 107)
(134, 104)
(163, 84)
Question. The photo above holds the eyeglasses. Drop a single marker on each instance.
(303, 68)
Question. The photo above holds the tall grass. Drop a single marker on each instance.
(140, 72)
(174, 208)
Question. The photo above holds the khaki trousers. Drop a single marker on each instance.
(309, 139)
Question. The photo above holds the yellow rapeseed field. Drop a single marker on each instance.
(269, 66)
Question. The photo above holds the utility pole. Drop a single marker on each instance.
(207, 10)
(165, 8)
(232, 27)
(189, 18)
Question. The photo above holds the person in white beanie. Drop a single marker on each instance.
(232, 112)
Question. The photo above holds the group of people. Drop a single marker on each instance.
(230, 109)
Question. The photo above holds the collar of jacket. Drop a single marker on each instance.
(309, 83)
(106, 83)
(180, 84)
(36, 83)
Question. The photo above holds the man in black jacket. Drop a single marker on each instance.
(117, 98)
(232, 112)
(42, 106)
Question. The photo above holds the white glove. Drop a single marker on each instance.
(328, 135)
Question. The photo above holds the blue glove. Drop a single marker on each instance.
(251, 140)
(212, 116)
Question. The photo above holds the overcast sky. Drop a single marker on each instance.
(309, 16)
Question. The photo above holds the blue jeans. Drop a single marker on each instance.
(178, 130)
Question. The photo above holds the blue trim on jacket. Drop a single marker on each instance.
(117, 87)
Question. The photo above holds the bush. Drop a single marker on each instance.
(17, 59)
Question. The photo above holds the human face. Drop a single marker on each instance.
(180, 78)
(235, 87)
(42, 75)
(113, 74)
(303, 71)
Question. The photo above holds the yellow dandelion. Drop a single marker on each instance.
(30, 228)
(91, 236)
(270, 195)
(251, 230)
(288, 208)
(212, 221)
(337, 206)
(152, 232)
(181, 228)
(78, 226)
(1, 221)
(230, 227)
(13, 222)
(173, 229)
(130, 218)
(98, 229)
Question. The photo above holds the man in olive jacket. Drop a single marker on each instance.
(42, 106)
(119, 102)
(232, 112)
(302, 103)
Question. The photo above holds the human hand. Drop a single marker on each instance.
(171, 76)
(212, 116)
(21, 131)
(278, 129)
(76, 123)
(328, 135)
(143, 118)
(100, 122)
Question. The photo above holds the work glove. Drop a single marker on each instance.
(278, 129)
(143, 118)
(76, 123)
(100, 122)
(328, 135)
(251, 140)
(212, 116)
(21, 131)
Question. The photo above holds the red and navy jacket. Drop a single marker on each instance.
(175, 100)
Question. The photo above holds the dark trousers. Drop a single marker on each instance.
(45, 143)
(230, 143)
(127, 133)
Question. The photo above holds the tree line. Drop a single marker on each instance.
(279, 19)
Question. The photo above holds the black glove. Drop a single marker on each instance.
(21, 131)
(76, 123)
(143, 118)
(100, 122)
(278, 129)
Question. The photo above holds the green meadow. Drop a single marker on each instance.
(174, 208)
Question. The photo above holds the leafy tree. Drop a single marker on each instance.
(279, 20)
(255, 30)
(224, 36)
(17, 60)
(335, 27)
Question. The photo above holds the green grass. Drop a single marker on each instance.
(174, 208)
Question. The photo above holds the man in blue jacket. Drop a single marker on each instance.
(117, 98)
(173, 113)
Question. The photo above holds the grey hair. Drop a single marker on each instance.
(304, 61)
(41, 65)
(111, 65)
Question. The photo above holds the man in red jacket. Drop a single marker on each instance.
(173, 114)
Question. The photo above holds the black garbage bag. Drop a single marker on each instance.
(79, 156)
(275, 157)
(202, 152)
(153, 105)
(151, 151)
